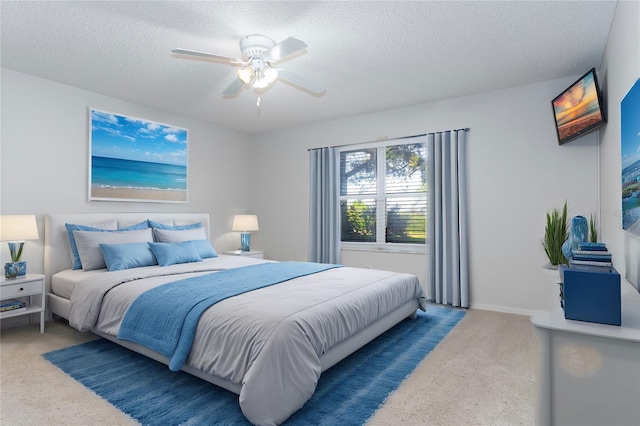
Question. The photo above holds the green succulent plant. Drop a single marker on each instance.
(593, 232)
(556, 233)
(15, 251)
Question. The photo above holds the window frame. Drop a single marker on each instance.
(381, 200)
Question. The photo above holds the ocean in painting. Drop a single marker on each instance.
(117, 173)
(631, 198)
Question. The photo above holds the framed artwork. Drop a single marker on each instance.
(136, 160)
(630, 150)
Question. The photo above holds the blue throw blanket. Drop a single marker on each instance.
(165, 318)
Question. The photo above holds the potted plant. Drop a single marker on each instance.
(16, 267)
(593, 232)
(555, 234)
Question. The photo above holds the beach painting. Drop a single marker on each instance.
(630, 149)
(136, 160)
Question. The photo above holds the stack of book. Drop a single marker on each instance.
(591, 254)
(12, 305)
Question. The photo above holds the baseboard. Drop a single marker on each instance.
(504, 309)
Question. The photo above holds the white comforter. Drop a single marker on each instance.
(268, 341)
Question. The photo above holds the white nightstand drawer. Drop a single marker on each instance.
(20, 289)
(256, 254)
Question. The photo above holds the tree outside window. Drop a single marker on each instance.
(383, 194)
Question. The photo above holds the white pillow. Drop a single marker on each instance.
(177, 236)
(75, 258)
(88, 244)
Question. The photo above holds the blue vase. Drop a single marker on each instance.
(245, 241)
(579, 233)
(15, 269)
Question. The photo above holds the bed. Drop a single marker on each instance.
(268, 345)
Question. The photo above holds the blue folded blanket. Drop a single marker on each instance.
(165, 318)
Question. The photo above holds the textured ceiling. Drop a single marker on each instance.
(371, 56)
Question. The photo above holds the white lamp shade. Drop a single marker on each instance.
(245, 74)
(245, 222)
(270, 74)
(18, 228)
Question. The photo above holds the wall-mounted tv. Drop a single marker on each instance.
(578, 110)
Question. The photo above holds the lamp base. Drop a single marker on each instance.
(245, 241)
(15, 269)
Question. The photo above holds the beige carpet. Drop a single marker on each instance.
(483, 373)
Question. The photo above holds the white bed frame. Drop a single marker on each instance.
(57, 258)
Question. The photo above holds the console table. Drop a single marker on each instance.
(590, 372)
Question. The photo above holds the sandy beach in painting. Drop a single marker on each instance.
(123, 194)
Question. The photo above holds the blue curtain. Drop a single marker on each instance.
(448, 270)
(324, 205)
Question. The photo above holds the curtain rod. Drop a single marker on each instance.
(466, 129)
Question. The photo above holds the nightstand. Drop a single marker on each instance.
(28, 286)
(256, 254)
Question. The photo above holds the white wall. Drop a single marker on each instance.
(517, 172)
(45, 150)
(620, 70)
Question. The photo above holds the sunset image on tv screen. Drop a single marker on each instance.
(577, 109)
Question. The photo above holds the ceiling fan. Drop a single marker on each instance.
(260, 54)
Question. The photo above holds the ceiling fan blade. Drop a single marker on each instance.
(284, 49)
(234, 88)
(211, 56)
(302, 82)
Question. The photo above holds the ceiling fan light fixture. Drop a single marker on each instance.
(246, 74)
(258, 53)
(264, 76)
(270, 74)
(260, 82)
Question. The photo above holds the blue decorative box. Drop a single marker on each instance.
(591, 293)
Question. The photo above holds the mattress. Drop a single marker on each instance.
(63, 283)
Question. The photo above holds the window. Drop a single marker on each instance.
(383, 198)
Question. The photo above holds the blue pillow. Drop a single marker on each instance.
(158, 225)
(204, 248)
(72, 240)
(136, 227)
(171, 253)
(129, 255)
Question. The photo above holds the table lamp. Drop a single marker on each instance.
(16, 229)
(245, 223)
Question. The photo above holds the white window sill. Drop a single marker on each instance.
(385, 248)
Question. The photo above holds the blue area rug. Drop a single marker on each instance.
(347, 394)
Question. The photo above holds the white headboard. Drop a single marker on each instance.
(57, 255)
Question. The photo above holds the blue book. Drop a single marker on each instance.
(593, 246)
(591, 257)
(592, 252)
(591, 268)
(11, 304)
(573, 262)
